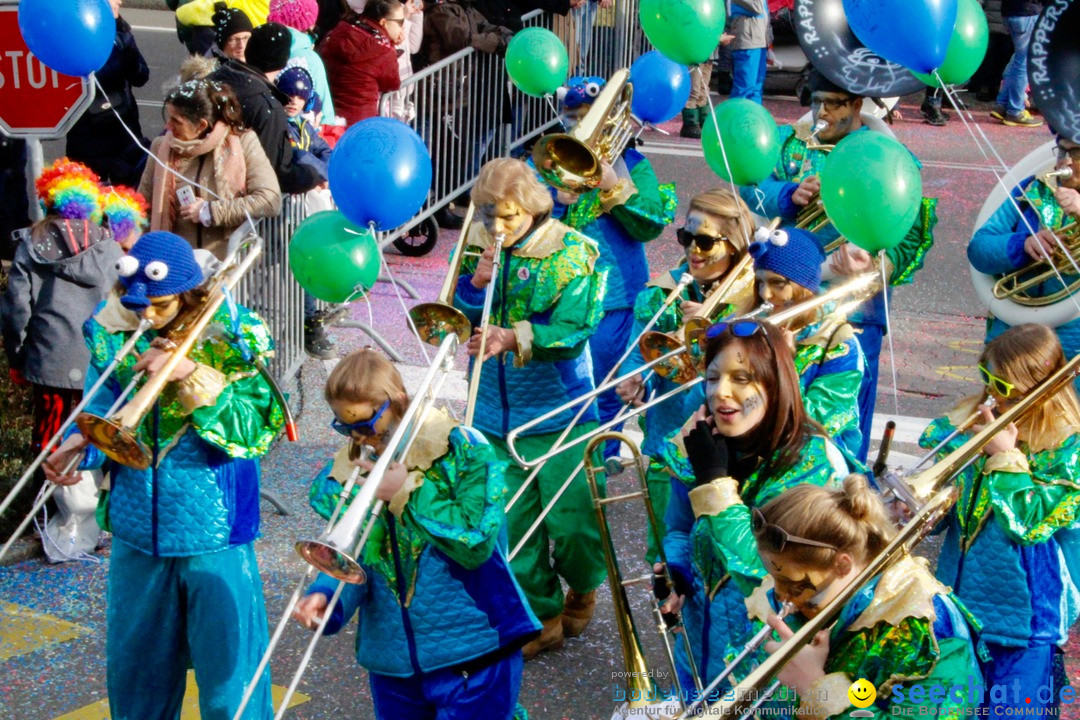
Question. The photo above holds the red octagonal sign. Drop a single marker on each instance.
(34, 99)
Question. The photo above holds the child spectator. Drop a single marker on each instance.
(303, 105)
(300, 17)
(61, 272)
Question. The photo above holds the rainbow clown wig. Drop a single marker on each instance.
(70, 190)
(125, 209)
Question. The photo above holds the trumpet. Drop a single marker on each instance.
(932, 484)
(1051, 178)
(736, 288)
(117, 434)
(639, 682)
(574, 161)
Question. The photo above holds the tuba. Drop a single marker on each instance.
(573, 161)
(1014, 297)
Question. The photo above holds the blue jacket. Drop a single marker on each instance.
(997, 248)
(202, 495)
(445, 555)
(550, 293)
(310, 148)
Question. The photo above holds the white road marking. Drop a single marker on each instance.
(151, 28)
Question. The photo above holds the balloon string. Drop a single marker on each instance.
(747, 232)
(888, 332)
(155, 158)
(554, 110)
(968, 123)
(408, 317)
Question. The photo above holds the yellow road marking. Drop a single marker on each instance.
(189, 711)
(23, 631)
(967, 373)
(967, 346)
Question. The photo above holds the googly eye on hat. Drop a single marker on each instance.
(159, 264)
(792, 253)
(582, 90)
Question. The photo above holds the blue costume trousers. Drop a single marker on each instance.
(870, 337)
(748, 73)
(607, 345)
(1036, 674)
(168, 614)
(489, 693)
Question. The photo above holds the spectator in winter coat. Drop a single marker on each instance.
(99, 139)
(362, 60)
(310, 148)
(262, 104)
(300, 17)
(219, 162)
(197, 25)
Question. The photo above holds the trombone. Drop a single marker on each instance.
(734, 288)
(639, 683)
(117, 434)
(338, 551)
(932, 484)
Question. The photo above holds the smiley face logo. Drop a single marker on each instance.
(862, 693)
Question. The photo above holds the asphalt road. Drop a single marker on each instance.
(52, 665)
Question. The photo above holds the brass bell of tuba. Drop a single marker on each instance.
(574, 161)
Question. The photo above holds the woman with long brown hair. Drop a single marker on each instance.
(211, 173)
(1010, 551)
(749, 442)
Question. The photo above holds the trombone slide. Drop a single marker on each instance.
(485, 318)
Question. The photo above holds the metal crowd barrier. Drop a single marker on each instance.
(272, 291)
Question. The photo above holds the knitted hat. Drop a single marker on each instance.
(69, 189)
(158, 264)
(791, 253)
(229, 21)
(296, 81)
(297, 14)
(124, 208)
(581, 91)
(269, 46)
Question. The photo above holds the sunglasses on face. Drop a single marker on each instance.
(774, 538)
(1061, 152)
(704, 243)
(998, 385)
(364, 427)
(830, 104)
(739, 328)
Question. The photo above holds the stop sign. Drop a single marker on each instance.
(34, 99)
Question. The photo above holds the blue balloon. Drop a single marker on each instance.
(912, 33)
(380, 172)
(73, 37)
(661, 87)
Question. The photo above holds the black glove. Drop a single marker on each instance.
(707, 453)
(661, 591)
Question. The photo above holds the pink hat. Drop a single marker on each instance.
(297, 14)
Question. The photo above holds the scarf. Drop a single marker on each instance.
(230, 170)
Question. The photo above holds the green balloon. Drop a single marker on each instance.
(750, 141)
(967, 48)
(536, 62)
(872, 190)
(687, 31)
(332, 259)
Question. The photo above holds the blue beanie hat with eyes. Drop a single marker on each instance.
(791, 253)
(158, 264)
(581, 91)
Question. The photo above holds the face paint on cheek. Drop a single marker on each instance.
(751, 404)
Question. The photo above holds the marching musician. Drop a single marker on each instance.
(184, 587)
(903, 633)
(787, 267)
(713, 238)
(749, 442)
(627, 210)
(548, 299)
(795, 183)
(440, 544)
(1010, 549)
(1008, 242)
